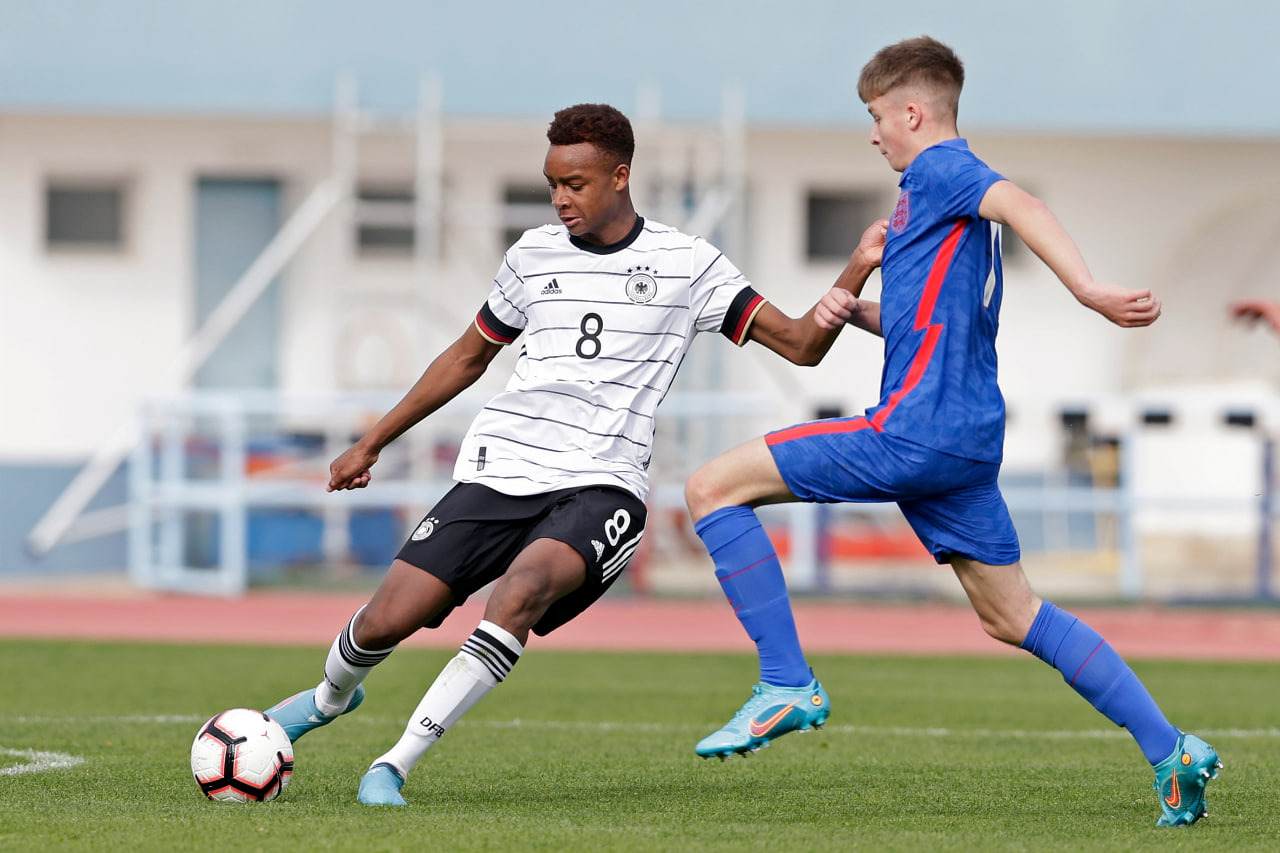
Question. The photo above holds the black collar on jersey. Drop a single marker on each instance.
(597, 249)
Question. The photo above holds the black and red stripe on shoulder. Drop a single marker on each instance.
(743, 309)
(493, 329)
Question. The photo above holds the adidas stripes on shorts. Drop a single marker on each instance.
(473, 534)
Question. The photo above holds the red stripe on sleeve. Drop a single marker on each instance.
(489, 333)
(744, 319)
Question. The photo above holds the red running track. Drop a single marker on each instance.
(620, 623)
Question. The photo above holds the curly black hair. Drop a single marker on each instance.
(600, 124)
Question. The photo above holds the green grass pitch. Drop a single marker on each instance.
(583, 751)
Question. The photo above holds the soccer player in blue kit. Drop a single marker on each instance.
(934, 441)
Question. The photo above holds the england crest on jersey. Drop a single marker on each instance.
(901, 213)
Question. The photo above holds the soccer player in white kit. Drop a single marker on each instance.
(551, 477)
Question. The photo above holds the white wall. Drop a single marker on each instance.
(82, 334)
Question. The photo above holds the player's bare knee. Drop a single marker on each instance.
(517, 604)
(702, 494)
(1000, 628)
(374, 629)
(525, 590)
(532, 589)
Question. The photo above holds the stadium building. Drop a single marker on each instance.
(237, 237)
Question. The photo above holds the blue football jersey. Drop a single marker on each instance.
(940, 307)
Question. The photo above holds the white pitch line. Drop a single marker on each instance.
(882, 731)
(602, 726)
(37, 761)
(185, 719)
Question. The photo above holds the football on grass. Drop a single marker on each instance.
(242, 756)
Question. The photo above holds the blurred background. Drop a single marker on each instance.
(233, 233)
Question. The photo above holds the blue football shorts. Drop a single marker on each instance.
(954, 505)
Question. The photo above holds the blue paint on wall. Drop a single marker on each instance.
(235, 221)
(26, 493)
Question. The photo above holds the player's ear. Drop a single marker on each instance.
(915, 114)
(621, 177)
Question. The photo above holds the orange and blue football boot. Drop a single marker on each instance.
(1181, 779)
(770, 713)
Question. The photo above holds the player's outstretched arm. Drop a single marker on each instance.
(1036, 225)
(1250, 311)
(453, 371)
(805, 340)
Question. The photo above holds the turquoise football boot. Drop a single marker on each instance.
(770, 713)
(298, 714)
(380, 786)
(1181, 779)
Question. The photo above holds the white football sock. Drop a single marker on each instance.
(483, 662)
(344, 670)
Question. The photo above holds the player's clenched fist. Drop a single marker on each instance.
(351, 469)
(835, 308)
(1120, 305)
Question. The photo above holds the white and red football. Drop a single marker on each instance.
(242, 756)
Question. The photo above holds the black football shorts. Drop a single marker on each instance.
(474, 533)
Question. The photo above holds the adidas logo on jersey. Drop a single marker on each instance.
(599, 546)
(552, 289)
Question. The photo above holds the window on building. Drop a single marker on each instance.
(384, 217)
(835, 220)
(85, 215)
(524, 206)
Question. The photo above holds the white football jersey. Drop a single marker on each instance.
(605, 329)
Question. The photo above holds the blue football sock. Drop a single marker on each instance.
(1094, 670)
(751, 577)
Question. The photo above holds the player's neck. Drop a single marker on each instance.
(616, 229)
(932, 135)
(926, 139)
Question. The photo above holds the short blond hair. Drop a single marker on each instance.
(924, 62)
